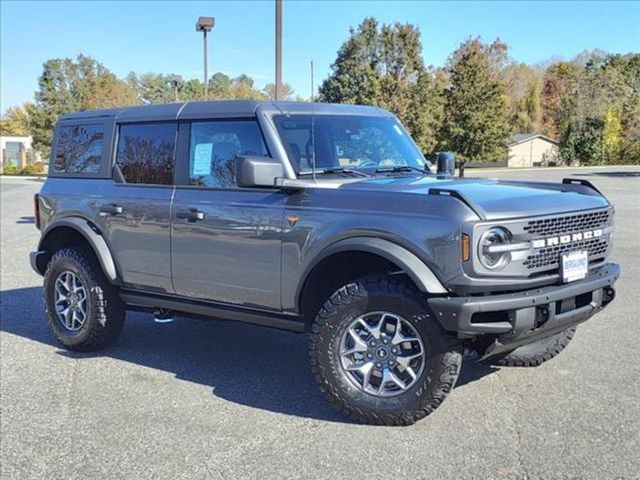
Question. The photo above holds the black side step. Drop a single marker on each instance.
(137, 300)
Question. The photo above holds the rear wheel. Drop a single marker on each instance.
(378, 354)
(535, 353)
(83, 308)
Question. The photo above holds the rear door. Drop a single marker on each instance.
(226, 241)
(135, 210)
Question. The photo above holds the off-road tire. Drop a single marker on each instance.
(105, 310)
(442, 362)
(537, 353)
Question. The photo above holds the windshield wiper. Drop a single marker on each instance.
(329, 170)
(401, 168)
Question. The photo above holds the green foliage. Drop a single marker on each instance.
(287, 93)
(66, 86)
(592, 104)
(612, 136)
(15, 122)
(528, 112)
(10, 169)
(476, 125)
(382, 65)
(29, 170)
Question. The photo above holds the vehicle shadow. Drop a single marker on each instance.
(245, 364)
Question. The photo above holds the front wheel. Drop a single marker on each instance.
(378, 354)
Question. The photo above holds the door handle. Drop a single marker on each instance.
(111, 209)
(191, 215)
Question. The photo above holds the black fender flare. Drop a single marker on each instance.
(407, 261)
(94, 239)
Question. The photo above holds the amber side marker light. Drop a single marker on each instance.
(465, 247)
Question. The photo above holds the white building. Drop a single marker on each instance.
(532, 150)
(17, 151)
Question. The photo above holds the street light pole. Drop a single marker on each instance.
(206, 73)
(204, 25)
(278, 92)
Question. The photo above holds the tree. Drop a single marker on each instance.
(382, 65)
(612, 135)
(528, 112)
(152, 87)
(16, 121)
(355, 77)
(68, 86)
(559, 97)
(476, 125)
(287, 93)
(242, 88)
(220, 86)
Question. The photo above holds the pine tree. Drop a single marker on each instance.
(382, 65)
(476, 126)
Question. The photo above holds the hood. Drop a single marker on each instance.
(494, 199)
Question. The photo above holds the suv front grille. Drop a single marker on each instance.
(547, 259)
(568, 224)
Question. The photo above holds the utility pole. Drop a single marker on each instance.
(204, 25)
(278, 92)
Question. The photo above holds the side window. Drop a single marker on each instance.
(146, 153)
(214, 147)
(78, 149)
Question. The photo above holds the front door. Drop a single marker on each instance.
(226, 241)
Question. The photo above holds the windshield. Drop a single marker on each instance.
(345, 141)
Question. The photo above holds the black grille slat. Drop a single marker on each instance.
(567, 224)
(548, 258)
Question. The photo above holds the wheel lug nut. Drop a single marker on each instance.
(373, 343)
(369, 355)
(378, 365)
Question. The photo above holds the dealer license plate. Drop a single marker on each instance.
(575, 266)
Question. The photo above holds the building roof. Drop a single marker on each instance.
(221, 108)
(518, 138)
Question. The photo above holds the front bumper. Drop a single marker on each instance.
(524, 317)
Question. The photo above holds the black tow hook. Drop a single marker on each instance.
(608, 295)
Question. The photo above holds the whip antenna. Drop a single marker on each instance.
(313, 129)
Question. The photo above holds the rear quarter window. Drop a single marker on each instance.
(79, 149)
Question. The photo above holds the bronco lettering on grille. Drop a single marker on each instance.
(564, 239)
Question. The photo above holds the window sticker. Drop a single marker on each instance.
(202, 159)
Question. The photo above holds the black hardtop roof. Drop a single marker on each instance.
(220, 108)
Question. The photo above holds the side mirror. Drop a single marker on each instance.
(257, 171)
(446, 163)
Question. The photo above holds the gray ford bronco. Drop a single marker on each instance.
(316, 218)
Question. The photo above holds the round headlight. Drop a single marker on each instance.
(489, 250)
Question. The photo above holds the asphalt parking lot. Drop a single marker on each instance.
(197, 399)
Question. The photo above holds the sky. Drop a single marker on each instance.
(150, 36)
